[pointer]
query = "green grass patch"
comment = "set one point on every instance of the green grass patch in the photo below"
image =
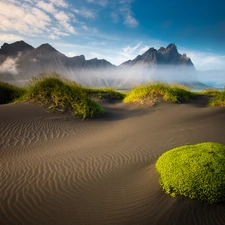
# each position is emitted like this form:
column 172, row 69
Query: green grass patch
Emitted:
column 9, row 93
column 57, row 92
column 105, row 93
column 160, row 91
column 210, row 92
column 218, row 100
column 218, row 97
column 195, row 171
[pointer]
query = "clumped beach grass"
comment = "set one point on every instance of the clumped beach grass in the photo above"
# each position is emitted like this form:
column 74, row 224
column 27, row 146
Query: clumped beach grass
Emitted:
column 8, row 92
column 195, row 171
column 103, row 93
column 218, row 100
column 57, row 92
column 218, row 97
column 211, row 92
column 160, row 91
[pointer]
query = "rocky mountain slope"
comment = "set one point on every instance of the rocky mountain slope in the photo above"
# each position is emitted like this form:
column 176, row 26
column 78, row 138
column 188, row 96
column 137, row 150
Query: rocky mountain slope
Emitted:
column 162, row 56
column 20, row 61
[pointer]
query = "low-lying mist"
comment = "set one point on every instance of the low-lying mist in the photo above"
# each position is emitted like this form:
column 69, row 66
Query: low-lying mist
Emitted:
column 119, row 77
column 128, row 77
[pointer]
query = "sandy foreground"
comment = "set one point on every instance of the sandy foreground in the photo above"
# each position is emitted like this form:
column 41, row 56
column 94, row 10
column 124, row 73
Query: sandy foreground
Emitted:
column 57, row 169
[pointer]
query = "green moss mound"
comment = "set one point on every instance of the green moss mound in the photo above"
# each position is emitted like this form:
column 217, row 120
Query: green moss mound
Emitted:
column 61, row 94
column 8, row 92
column 160, row 91
column 195, row 171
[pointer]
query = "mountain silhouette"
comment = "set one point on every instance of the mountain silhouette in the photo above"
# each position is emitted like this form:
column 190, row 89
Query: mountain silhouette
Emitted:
column 20, row 61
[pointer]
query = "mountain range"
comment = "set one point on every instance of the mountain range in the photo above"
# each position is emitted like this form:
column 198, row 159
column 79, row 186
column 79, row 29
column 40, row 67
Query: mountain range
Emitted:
column 20, row 61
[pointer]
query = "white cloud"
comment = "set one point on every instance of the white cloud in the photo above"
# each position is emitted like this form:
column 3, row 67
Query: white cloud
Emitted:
column 10, row 37
column 143, row 50
column 99, row 2
column 85, row 27
column 129, row 51
column 123, row 10
column 70, row 54
column 36, row 18
column 7, row 9
column 9, row 66
column 86, row 13
column 25, row 20
column 130, row 20
column 48, row 7
column 64, row 20
column 206, row 60
column 62, row 16
column 60, row 3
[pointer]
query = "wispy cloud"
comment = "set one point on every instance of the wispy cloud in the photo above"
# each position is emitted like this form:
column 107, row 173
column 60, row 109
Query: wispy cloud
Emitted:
column 60, row 3
column 48, row 7
column 123, row 11
column 99, row 2
column 86, row 13
column 143, row 49
column 9, row 66
column 36, row 18
column 130, row 20
column 130, row 51
column 10, row 37
column 206, row 60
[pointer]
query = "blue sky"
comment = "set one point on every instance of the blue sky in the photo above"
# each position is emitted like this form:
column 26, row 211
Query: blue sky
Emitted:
column 118, row 30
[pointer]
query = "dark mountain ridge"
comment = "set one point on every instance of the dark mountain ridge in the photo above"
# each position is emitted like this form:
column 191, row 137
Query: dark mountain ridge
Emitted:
column 12, row 50
column 20, row 61
column 162, row 56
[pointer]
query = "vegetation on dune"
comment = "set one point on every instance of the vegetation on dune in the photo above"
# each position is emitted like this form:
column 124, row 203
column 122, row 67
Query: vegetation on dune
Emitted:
column 218, row 100
column 59, row 93
column 218, row 97
column 8, row 92
column 158, row 91
column 195, row 171
column 211, row 92
column 103, row 93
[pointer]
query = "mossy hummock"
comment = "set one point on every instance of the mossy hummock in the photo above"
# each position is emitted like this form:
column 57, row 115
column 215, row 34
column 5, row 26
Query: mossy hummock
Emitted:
column 195, row 171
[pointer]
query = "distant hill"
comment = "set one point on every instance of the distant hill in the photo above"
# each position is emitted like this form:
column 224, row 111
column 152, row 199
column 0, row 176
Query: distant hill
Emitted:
column 20, row 61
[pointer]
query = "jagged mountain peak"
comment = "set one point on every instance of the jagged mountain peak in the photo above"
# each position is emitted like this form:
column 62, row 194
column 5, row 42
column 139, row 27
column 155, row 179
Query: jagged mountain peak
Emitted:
column 162, row 56
column 46, row 48
column 161, row 49
column 16, row 48
column 171, row 46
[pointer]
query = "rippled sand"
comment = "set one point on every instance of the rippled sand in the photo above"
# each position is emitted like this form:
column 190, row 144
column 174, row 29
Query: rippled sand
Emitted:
column 57, row 169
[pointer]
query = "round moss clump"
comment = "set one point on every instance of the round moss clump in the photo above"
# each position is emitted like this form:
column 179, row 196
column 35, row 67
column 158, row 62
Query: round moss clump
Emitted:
column 194, row 171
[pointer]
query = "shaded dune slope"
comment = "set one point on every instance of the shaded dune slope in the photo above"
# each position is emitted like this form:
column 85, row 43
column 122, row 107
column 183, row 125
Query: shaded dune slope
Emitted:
column 56, row 169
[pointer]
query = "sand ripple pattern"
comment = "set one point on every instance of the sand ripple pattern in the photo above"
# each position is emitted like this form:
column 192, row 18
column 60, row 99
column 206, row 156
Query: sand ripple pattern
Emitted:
column 59, row 170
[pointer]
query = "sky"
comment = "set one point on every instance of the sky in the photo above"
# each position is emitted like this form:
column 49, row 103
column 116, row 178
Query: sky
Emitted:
column 119, row 30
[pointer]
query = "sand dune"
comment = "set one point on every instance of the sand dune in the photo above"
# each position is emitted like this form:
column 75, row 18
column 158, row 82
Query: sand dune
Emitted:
column 57, row 169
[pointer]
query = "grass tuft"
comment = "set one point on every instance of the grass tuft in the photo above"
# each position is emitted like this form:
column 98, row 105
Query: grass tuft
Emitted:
column 210, row 92
column 195, row 171
column 218, row 100
column 58, row 93
column 103, row 93
column 159, row 91
column 9, row 93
